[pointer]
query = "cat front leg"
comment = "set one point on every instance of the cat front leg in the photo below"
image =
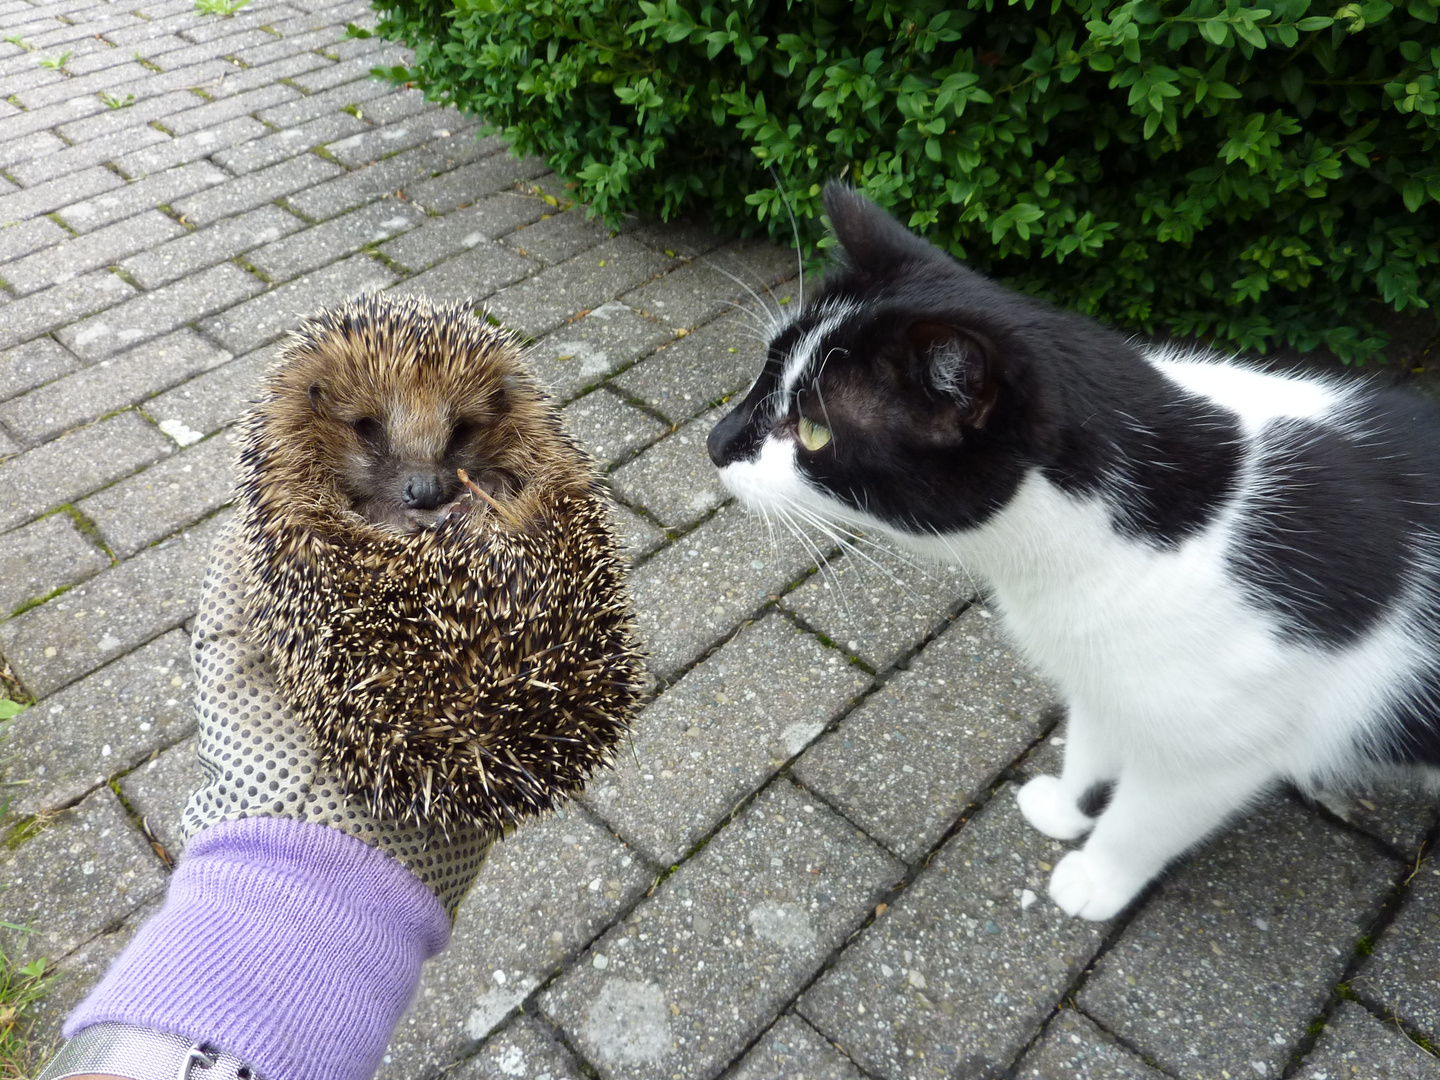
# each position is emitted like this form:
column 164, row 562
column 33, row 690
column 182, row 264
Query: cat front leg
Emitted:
column 1055, row 805
column 1150, row 820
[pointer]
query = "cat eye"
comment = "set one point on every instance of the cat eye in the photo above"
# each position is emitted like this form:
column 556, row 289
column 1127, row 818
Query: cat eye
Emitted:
column 813, row 436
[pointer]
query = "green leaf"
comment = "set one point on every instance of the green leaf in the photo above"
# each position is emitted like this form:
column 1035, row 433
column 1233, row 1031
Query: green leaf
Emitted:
column 10, row 709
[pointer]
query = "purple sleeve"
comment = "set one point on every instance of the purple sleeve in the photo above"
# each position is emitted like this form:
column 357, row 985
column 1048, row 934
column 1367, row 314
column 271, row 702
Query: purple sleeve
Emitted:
column 293, row 946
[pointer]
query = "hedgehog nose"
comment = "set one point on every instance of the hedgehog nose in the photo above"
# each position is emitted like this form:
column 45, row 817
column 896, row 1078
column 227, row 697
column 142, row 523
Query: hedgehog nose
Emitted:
column 422, row 491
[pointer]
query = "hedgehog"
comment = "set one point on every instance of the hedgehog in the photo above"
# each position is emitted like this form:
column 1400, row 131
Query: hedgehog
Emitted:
column 430, row 564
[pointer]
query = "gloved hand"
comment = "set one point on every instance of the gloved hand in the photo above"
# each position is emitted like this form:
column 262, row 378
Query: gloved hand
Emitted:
column 296, row 923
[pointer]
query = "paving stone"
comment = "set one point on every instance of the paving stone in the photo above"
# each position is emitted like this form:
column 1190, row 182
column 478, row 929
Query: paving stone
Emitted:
column 48, row 166
column 34, row 364
column 61, row 305
column 462, row 186
column 21, row 239
column 173, row 493
column 524, row 1049
column 256, row 189
column 75, row 465
column 100, row 248
column 202, row 248
column 581, row 353
column 720, row 733
column 957, row 977
column 259, row 321
column 440, row 238
column 683, row 379
column 400, row 104
column 107, row 616
column 746, row 922
column 211, row 401
column 209, row 29
column 674, row 480
column 876, row 604
column 470, row 276
column 117, row 873
column 109, row 385
column 638, row 537
column 277, row 147
column 281, row 70
column 8, row 445
column 104, row 724
column 1399, row 815
column 793, row 1049
column 151, row 107
column 379, row 141
column 688, row 237
column 334, row 239
column 29, row 147
column 159, row 789
column 55, row 117
column 41, row 557
column 698, row 589
column 213, row 113
column 1264, row 919
column 1073, row 1048
column 192, row 147
column 158, row 189
column 1402, row 977
column 557, row 237
column 744, row 270
column 583, row 283
column 296, row 112
column 160, row 311
column 543, row 895
column 608, row 428
column 378, row 181
column 77, row 973
column 1354, row 1045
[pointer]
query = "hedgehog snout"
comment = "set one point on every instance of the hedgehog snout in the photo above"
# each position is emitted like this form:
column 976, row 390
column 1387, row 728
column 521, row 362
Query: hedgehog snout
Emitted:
column 422, row 491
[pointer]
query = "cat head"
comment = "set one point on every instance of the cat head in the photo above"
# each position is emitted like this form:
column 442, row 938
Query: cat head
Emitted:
column 905, row 395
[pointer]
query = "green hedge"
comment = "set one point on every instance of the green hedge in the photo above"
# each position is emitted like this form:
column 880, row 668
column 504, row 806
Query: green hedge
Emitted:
column 1254, row 174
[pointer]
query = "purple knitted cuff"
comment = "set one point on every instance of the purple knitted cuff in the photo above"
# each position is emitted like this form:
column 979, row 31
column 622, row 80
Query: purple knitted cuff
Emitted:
column 289, row 944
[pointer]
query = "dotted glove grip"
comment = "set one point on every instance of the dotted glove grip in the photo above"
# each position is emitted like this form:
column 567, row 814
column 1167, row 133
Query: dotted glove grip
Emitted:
column 259, row 762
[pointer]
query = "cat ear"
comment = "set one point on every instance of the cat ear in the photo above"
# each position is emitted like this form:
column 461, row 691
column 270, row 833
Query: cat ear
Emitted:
column 873, row 240
column 957, row 365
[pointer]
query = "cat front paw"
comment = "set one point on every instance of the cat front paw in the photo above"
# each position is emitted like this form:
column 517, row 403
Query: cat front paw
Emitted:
column 1048, row 807
column 1082, row 886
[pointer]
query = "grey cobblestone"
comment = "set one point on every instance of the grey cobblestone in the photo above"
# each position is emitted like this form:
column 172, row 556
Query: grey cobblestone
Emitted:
column 63, row 470
column 52, row 117
column 1355, row 1044
column 893, row 767
column 960, row 973
column 259, row 321
column 382, row 140
column 583, row 283
column 472, row 275
column 192, row 147
column 719, row 733
column 1402, row 978
column 62, row 89
column 674, row 480
column 583, row 352
column 211, row 113
column 638, row 537
column 296, row 112
column 61, row 306
column 398, row 105
column 98, row 151
column 199, row 249
column 523, row 1049
column 440, row 238
column 90, row 252
column 608, row 428
column 878, row 605
column 334, row 239
column 256, row 189
column 696, row 293
column 104, row 724
column 688, row 238
column 211, row 401
column 33, row 364
column 1075, row 1049
column 44, row 198
column 148, row 110
column 173, row 493
column 117, row 873
column 709, row 364
column 159, row 311
column 792, row 1048
column 29, row 147
column 748, row 920
column 21, row 239
column 107, row 616
column 462, row 186
column 1265, row 918
column 155, row 190
column 386, row 178
column 159, row 789
column 109, row 385
column 557, row 237
column 42, row 557
column 282, row 145
column 544, row 893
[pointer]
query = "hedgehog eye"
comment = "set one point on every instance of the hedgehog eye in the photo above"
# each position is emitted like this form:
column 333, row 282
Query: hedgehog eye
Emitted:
column 464, row 431
column 317, row 397
column 813, row 436
column 370, row 431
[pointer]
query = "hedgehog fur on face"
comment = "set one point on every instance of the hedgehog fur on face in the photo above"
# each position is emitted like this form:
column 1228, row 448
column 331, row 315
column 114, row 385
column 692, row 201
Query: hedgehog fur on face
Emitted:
column 457, row 653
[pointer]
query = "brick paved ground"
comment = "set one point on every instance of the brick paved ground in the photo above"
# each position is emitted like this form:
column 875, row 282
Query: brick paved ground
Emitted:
column 812, row 862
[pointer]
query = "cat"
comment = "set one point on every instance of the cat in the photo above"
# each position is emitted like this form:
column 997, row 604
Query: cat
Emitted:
column 1231, row 576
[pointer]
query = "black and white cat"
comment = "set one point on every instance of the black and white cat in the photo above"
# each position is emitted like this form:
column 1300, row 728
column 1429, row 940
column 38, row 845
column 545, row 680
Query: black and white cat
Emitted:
column 1233, row 577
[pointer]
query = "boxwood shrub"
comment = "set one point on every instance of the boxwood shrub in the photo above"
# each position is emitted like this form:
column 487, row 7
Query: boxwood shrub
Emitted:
column 1258, row 175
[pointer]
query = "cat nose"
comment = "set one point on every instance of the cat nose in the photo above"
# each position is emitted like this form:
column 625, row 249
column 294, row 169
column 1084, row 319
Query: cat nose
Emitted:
column 724, row 442
column 422, row 491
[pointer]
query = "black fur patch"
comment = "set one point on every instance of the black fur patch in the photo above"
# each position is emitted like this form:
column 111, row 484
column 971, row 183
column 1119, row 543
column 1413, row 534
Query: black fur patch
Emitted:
column 1096, row 798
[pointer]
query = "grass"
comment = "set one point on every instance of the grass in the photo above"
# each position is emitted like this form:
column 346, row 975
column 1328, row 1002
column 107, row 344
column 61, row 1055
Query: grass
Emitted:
column 115, row 101
column 219, row 7
column 57, row 63
column 20, row 989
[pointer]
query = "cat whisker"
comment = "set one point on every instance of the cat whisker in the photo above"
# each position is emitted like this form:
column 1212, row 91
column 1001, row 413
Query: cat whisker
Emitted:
column 822, row 561
column 776, row 317
column 843, row 541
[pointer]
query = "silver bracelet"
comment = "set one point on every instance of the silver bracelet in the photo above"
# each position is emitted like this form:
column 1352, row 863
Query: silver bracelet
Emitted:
column 141, row 1053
